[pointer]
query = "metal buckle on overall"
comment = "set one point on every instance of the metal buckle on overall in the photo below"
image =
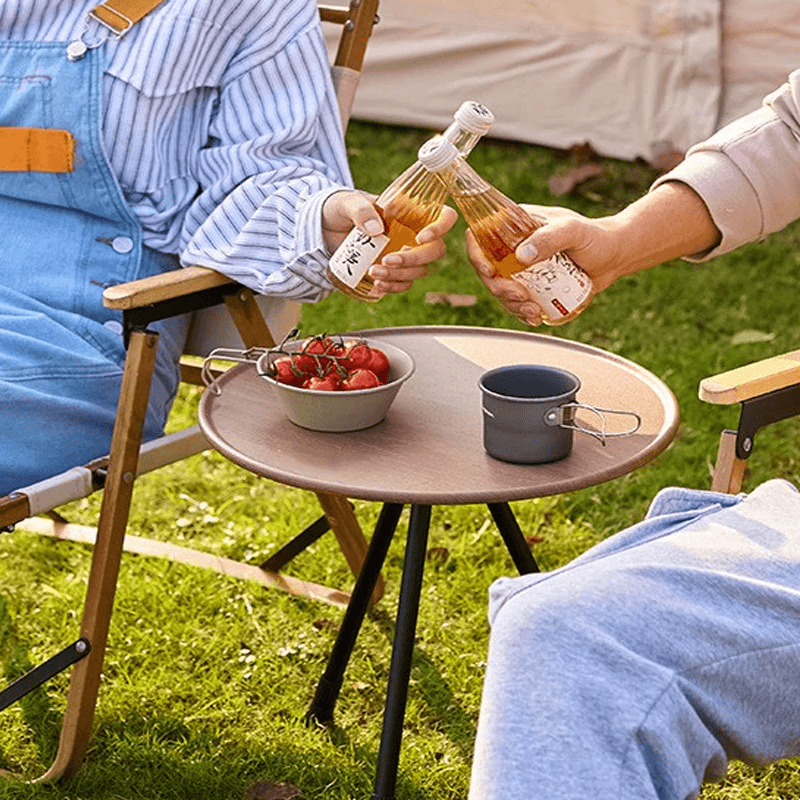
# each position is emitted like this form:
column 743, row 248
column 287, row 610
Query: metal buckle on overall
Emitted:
column 129, row 13
column 77, row 49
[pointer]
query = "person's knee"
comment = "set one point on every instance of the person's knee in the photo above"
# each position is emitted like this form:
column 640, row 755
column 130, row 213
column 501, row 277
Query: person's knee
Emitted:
column 575, row 617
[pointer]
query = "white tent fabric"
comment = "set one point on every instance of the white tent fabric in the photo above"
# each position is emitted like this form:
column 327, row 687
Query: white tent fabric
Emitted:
column 631, row 78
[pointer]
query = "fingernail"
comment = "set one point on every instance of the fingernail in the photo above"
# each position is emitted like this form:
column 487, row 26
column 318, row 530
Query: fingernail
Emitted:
column 392, row 260
column 527, row 253
column 373, row 227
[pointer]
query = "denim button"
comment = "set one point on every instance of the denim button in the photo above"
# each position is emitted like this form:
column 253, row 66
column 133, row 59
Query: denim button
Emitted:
column 113, row 326
column 122, row 244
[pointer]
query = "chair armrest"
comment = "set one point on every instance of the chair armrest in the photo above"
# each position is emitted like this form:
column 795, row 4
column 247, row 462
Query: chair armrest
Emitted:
column 752, row 380
column 167, row 286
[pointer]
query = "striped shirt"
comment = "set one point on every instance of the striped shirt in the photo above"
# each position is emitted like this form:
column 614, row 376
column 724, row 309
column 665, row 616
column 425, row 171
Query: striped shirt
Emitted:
column 221, row 126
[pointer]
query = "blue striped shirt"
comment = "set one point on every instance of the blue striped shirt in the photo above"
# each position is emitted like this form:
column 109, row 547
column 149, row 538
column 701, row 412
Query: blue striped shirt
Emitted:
column 221, row 125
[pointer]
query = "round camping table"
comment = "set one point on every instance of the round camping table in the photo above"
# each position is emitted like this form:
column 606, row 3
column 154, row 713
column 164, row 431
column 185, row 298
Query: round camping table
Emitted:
column 429, row 451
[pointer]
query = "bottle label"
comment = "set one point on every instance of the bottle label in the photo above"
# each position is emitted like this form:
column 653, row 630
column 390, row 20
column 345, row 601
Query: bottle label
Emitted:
column 355, row 255
column 559, row 284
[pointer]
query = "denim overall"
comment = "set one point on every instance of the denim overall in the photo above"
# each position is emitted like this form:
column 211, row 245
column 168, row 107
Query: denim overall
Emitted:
column 65, row 237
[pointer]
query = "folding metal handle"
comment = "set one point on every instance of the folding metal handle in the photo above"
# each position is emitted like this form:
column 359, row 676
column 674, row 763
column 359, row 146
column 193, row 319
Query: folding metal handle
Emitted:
column 251, row 355
column 564, row 416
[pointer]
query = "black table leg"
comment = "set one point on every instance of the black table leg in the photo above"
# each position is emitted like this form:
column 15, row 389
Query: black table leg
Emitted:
column 402, row 651
column 330, row 684
column 513, row 537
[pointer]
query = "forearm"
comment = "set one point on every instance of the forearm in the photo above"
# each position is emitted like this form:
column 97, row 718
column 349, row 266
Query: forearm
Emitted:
column 672, row 221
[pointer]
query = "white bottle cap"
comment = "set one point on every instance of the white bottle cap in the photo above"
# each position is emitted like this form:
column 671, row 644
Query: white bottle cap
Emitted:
column 437, row 153
column 474, row 117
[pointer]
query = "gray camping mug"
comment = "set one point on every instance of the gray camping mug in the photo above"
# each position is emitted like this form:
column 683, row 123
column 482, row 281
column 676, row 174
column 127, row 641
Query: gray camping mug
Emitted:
column 529, row 413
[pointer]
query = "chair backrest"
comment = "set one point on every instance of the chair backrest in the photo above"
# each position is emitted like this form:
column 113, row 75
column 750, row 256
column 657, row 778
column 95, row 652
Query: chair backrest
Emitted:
column 213, row 327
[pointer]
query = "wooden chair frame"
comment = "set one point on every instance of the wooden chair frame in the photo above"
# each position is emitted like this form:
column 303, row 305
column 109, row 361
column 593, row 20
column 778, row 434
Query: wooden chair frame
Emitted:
column 768, row 391
column 143, row 302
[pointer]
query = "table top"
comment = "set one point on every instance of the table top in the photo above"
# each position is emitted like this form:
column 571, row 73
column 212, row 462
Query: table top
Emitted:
column 429, row 449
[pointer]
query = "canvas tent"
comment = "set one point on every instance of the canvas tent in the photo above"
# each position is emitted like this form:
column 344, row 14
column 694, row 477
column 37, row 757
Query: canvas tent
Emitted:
column 629, row 77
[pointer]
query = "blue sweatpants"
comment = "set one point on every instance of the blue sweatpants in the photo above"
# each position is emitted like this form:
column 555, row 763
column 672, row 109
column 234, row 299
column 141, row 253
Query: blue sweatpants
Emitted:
column 640, row 669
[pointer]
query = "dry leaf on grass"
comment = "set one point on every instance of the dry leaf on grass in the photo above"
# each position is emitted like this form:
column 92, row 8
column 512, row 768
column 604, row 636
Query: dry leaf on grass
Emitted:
column 664, row 157
column 263, row 790
column 445, row 298
column 751, row 337
column 564, row 184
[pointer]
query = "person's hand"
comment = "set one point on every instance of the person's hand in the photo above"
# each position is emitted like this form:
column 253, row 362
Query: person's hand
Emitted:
column 344, row 209
column 397, row 271
column 588, row 242
column 515, row 298
column 670, row 221
column 593, row 244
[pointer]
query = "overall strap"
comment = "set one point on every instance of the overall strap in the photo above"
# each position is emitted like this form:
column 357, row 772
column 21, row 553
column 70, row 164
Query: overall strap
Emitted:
column 121, row 15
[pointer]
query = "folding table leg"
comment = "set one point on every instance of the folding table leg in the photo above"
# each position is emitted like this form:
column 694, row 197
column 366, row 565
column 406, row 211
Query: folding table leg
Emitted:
column 513, row 537
column 402, row 651
column 330, row 684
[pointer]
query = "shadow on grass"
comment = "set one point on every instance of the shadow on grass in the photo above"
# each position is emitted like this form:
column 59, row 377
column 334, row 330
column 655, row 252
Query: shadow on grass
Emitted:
column 444, row 711
column 41, row 719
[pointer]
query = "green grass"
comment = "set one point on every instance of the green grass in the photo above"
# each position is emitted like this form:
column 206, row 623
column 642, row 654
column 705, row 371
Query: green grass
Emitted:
column 206, row 679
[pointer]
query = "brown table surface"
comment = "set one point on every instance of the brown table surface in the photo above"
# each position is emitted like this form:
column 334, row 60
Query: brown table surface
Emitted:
column 429, row 449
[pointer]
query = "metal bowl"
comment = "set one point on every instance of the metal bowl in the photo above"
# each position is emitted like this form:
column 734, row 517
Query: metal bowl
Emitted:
column 351, row 410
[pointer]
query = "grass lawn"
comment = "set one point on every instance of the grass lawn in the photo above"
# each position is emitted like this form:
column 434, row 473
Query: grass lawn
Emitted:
column 206, row 679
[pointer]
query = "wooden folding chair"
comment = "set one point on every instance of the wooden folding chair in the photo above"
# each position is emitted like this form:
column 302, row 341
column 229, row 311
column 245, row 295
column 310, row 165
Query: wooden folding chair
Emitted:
column 768, row 391
column 220, row 308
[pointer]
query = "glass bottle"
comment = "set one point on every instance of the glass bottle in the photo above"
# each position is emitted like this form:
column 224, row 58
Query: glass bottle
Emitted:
column 561, row 287
column 412, row 201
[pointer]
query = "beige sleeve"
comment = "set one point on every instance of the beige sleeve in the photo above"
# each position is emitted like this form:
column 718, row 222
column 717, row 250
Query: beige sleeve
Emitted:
column 748, row 173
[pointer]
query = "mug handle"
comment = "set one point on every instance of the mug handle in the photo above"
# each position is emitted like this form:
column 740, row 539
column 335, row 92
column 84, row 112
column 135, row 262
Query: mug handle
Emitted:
column 556, row 416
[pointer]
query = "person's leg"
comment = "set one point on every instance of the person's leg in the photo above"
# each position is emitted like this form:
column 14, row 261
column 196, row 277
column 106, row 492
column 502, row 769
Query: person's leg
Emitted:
column 638, row 670
column 42, row 435
column 58, row 397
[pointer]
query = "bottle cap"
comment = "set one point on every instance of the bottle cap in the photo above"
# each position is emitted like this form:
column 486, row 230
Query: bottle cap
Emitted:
column 437, row 153
column 474, row 117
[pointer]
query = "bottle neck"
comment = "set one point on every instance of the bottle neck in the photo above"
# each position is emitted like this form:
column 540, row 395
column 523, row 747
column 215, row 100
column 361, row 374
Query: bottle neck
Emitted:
column 463, row 139
column 480, row 201
column 462, row 180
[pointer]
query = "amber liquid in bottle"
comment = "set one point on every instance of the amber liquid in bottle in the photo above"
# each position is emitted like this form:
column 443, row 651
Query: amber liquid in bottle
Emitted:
column 499, row 225
column 404, row 215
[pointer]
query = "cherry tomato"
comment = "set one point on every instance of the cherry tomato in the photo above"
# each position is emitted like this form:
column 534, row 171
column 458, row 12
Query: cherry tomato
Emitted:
column 324, row 351
column 379, row 364
column 361, row 379
column 305, row 364
column 358, row 354
column 330, row 382
column 283, row 370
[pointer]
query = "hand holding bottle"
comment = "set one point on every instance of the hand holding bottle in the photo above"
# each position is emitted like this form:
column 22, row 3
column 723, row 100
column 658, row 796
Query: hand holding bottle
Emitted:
column 396, row 271
column 668, row 222
column 499, row 225
column 519, row 301
column 412, row 205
